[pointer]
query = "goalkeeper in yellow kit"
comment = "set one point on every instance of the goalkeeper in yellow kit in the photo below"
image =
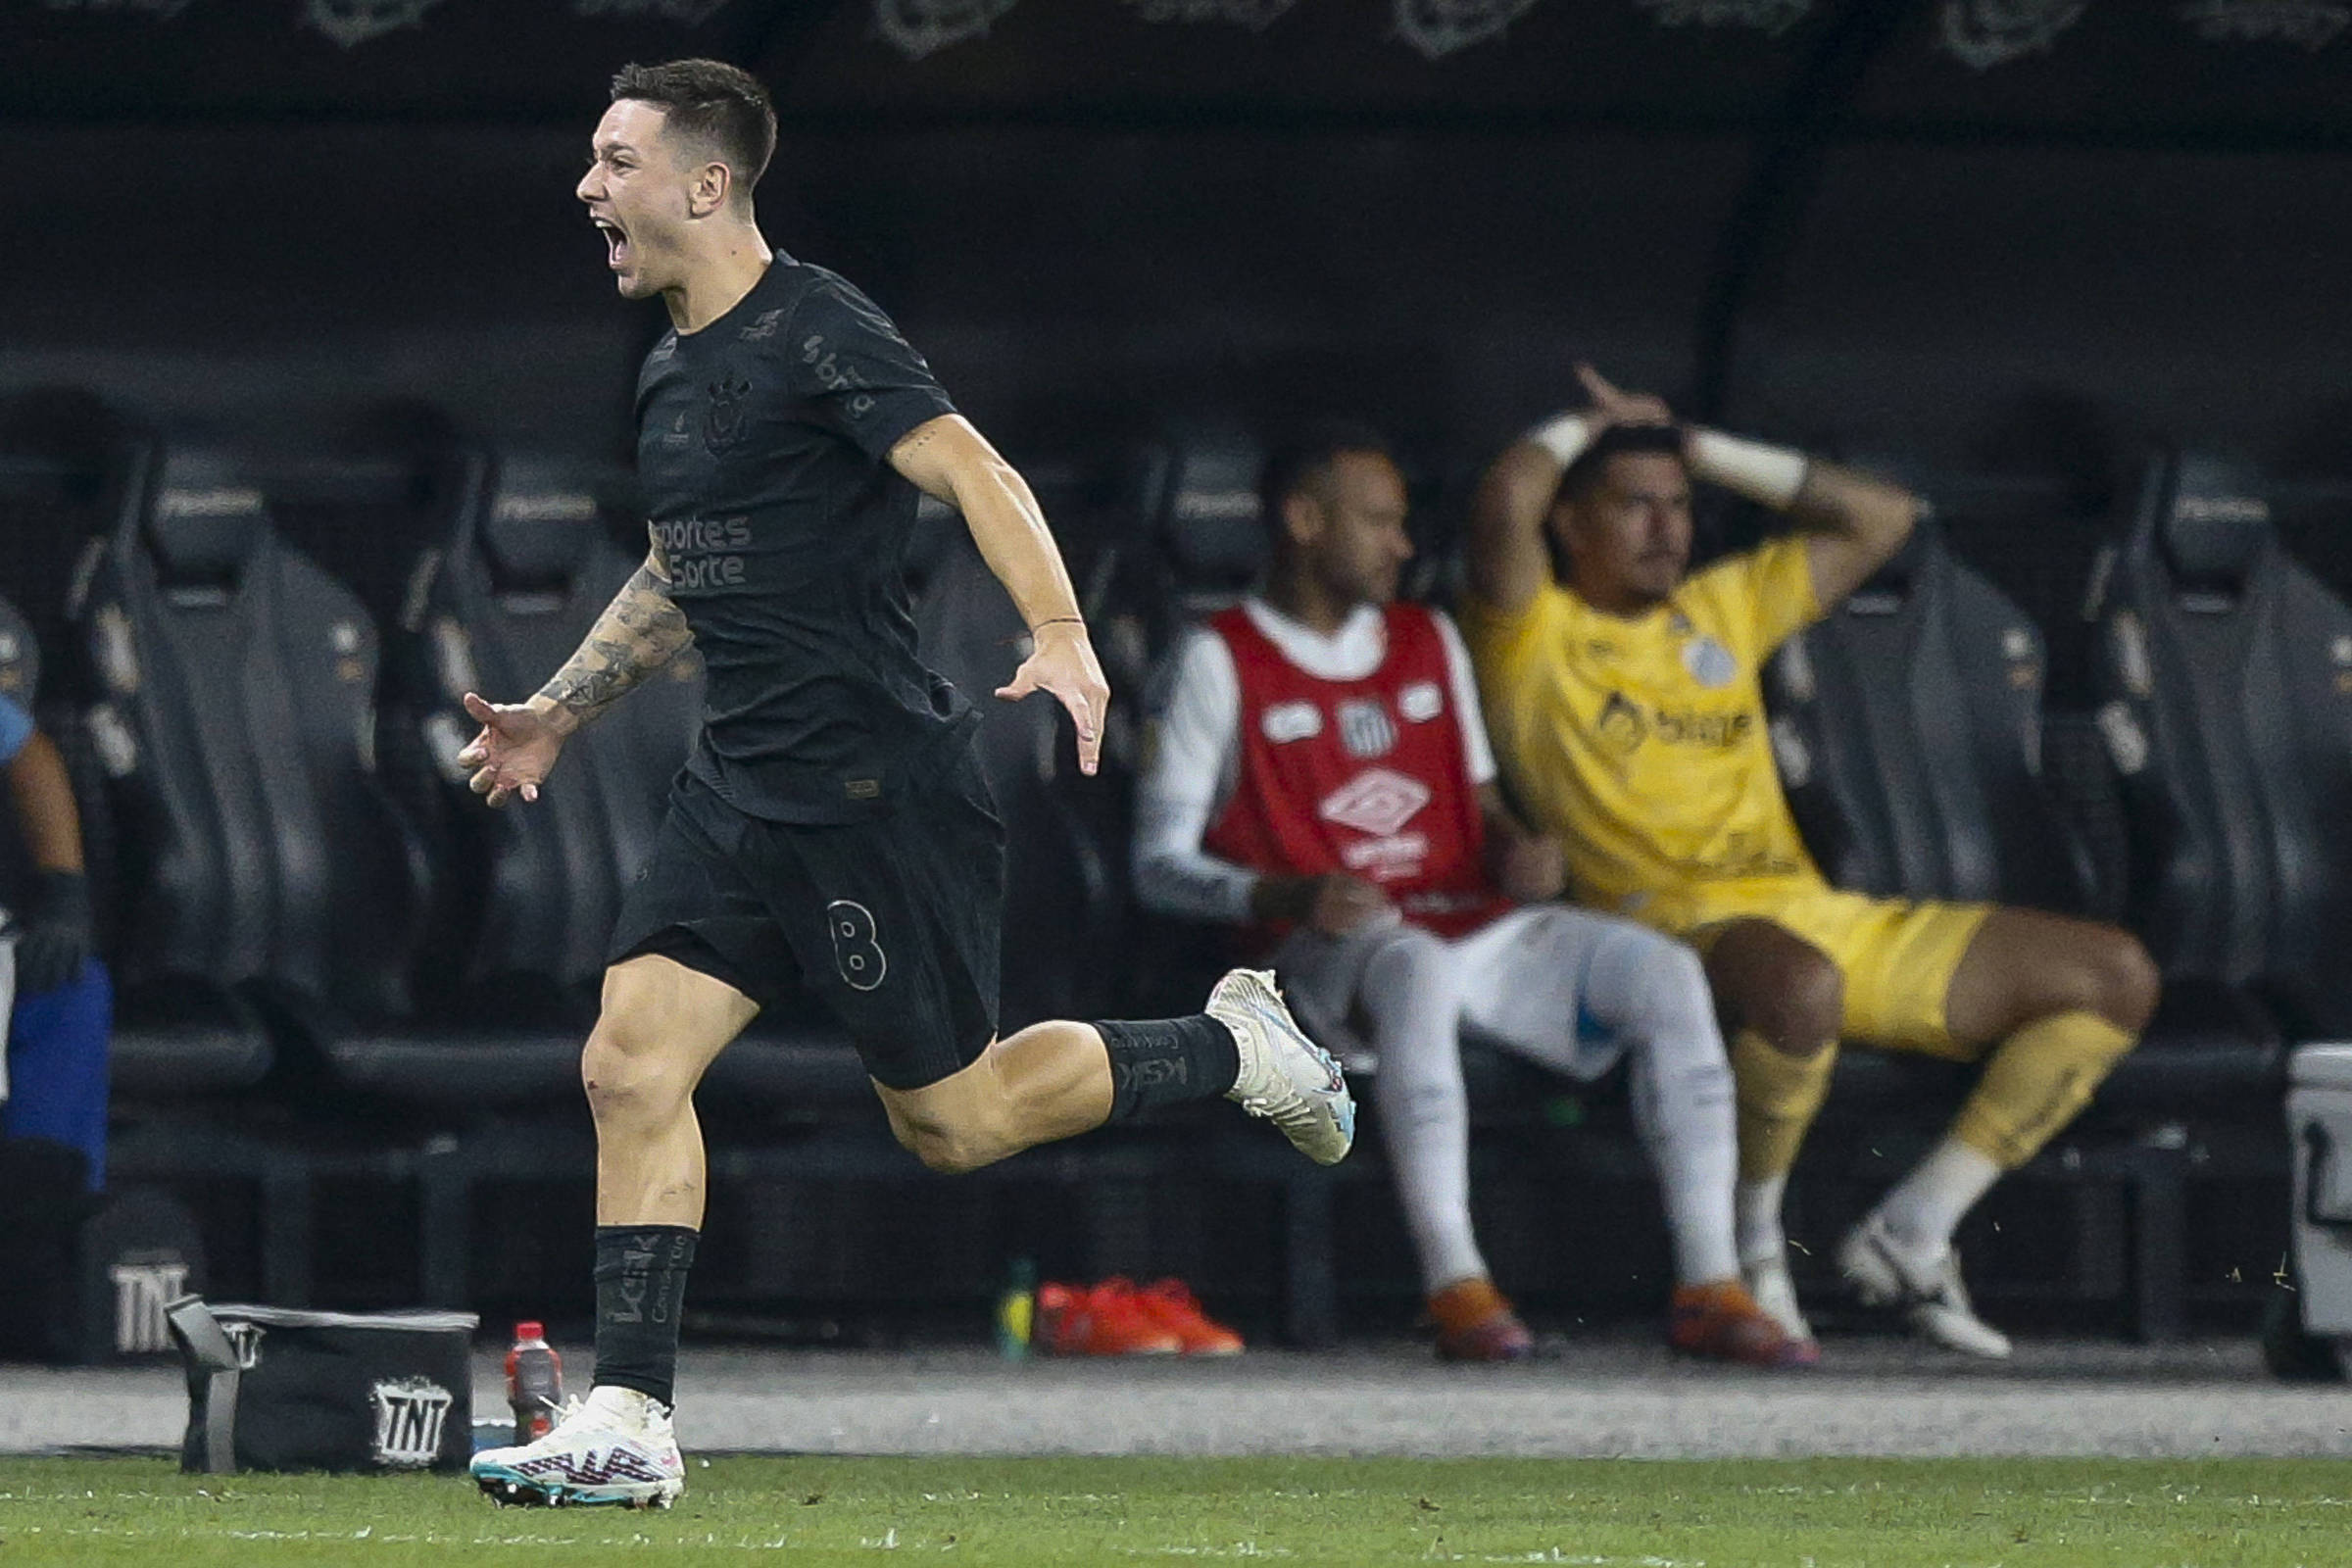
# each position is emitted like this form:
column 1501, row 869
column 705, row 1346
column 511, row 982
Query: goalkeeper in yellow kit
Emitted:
column 1623, row 696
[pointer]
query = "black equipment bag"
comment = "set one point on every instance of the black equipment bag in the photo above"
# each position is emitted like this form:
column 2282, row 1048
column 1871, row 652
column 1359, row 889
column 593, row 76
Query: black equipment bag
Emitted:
column 274, row 1388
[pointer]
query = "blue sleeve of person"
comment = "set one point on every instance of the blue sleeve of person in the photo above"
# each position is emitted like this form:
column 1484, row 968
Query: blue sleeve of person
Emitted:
column 15, row 729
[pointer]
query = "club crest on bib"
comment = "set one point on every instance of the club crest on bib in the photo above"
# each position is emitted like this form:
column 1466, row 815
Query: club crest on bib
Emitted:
column 1710, row 662
column 723, row 414
column 1366, row 729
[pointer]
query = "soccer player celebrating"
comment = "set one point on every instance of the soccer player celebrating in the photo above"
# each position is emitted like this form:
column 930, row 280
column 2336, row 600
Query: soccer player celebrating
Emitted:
column 1320, row 778
column 1625, row 699
column 831, row 826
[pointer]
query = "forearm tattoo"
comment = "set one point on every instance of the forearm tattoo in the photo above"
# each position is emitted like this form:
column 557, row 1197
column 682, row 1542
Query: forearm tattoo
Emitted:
column 639, row 632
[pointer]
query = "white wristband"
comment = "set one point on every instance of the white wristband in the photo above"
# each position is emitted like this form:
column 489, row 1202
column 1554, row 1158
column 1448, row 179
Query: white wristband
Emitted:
column 1759, row 471
column 1564, row 437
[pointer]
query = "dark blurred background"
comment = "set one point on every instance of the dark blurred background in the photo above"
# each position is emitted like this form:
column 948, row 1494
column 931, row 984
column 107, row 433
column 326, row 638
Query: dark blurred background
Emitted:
column 1852, row 221
column 2025, row 242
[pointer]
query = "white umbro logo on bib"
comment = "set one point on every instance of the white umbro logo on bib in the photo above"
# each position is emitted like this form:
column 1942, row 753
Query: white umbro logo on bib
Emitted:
column 1377, row 801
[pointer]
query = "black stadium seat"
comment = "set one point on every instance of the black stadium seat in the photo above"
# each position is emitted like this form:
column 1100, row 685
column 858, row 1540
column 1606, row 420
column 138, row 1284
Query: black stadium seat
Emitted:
column 1058, row 901
column 525, row 906
column 262, row 863
column 1199, row 500
column 2225, row 680
column 1193, row 545
column 1908, row 729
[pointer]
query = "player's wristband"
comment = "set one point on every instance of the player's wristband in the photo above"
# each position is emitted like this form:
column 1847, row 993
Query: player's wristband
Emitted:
column 1759, row 471
column 1564, row 437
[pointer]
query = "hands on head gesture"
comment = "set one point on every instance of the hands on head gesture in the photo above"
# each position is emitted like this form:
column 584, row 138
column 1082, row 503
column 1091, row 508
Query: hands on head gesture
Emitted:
column 1613, row 406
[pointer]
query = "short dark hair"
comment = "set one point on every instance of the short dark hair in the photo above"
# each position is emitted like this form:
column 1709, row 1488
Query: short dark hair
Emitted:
column 1305, row 456
column 1584, row 475
column 717, row 104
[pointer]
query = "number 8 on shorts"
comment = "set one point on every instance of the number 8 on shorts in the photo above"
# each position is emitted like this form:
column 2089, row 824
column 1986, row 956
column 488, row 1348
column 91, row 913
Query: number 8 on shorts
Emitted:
column 856, row 956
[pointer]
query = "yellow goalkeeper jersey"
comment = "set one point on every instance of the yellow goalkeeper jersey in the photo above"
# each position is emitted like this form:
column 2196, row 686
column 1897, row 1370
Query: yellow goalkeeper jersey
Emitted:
column 1641, row 743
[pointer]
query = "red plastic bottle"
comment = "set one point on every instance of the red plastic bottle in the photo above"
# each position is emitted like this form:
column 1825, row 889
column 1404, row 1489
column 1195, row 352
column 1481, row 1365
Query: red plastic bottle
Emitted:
column 534, row 1382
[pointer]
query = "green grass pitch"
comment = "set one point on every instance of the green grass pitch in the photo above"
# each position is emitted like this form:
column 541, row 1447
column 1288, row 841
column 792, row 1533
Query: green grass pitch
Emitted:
column 1037, row 1513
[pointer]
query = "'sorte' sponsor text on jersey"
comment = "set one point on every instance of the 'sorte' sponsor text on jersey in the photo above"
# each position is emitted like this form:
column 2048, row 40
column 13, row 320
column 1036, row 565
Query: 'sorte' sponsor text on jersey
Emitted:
column 762, row 449
column 1641, row 742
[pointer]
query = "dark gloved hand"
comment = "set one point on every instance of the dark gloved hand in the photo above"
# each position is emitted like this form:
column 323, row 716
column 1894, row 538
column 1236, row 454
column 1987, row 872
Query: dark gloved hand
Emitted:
column 56, row 938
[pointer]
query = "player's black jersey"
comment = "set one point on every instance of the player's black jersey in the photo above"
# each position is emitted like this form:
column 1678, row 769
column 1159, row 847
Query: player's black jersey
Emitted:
column 761, row 443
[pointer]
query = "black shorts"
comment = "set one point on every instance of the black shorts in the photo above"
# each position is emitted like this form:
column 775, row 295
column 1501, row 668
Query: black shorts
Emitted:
column 895, row 922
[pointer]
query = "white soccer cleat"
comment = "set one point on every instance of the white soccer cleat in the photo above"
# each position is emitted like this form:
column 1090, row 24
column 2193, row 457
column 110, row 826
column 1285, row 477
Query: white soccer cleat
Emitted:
column 1926, row 1291
column 1286, row 1078
column 616, row 1447
column 1775, row 1291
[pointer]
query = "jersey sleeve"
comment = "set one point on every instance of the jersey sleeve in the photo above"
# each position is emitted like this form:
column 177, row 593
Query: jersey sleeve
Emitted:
column 1758, row 600
column 1504, row 646
column 15, row 729
column 1478, row 755
column 1190, row 759
column 848, row 361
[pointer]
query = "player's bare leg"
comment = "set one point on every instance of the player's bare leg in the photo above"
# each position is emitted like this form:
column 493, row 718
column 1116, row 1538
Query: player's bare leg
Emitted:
column 1056, row 1080
column 2059, row 1002
column 1050, row 1081
column 662, row 1026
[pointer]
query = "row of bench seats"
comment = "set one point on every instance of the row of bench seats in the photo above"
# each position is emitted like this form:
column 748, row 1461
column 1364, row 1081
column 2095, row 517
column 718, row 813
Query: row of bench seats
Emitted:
column 294, row 880
column 255, row 671
column 297, row 860
column 2196, row 792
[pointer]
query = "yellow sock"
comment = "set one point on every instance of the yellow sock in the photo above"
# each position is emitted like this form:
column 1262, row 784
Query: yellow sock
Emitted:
column 2034, row 1082
column 1779, row 1095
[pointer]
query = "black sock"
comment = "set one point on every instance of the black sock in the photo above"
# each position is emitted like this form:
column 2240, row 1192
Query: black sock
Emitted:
column 640, row 1290
column 1165, row 1062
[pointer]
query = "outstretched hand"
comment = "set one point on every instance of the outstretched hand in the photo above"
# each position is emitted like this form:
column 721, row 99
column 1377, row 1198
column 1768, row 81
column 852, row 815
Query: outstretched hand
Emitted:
column 1064, row 663
column 1613, row 406
column 515, row 752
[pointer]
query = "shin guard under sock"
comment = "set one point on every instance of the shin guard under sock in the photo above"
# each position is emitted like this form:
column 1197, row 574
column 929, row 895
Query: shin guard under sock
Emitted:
column 2034, row 1082
column 640, row 1294
column 1779, row 1095
column 1165, row 1062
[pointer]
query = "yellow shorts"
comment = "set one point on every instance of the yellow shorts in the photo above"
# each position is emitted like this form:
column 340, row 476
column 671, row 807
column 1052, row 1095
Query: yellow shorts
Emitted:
column 1897, row 956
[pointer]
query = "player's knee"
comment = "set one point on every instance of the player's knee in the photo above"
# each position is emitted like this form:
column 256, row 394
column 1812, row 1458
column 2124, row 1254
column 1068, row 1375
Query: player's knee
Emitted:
column 2099, row 970
column 1410, row 953
column 2122, row 980
column 959, row 1143
column 1674, row 987
column 951, row 1151
column 629, row 1078
column 1802, row 1011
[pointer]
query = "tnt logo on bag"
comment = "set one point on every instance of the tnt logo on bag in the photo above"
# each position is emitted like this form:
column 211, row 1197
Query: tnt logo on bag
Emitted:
column 409, row 1417
column 141, row 1291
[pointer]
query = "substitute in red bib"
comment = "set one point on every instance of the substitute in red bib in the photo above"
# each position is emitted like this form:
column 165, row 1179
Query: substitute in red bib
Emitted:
column 1319, row 779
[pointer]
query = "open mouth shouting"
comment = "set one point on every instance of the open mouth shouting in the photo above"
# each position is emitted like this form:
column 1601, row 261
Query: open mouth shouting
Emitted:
column 616, row 243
